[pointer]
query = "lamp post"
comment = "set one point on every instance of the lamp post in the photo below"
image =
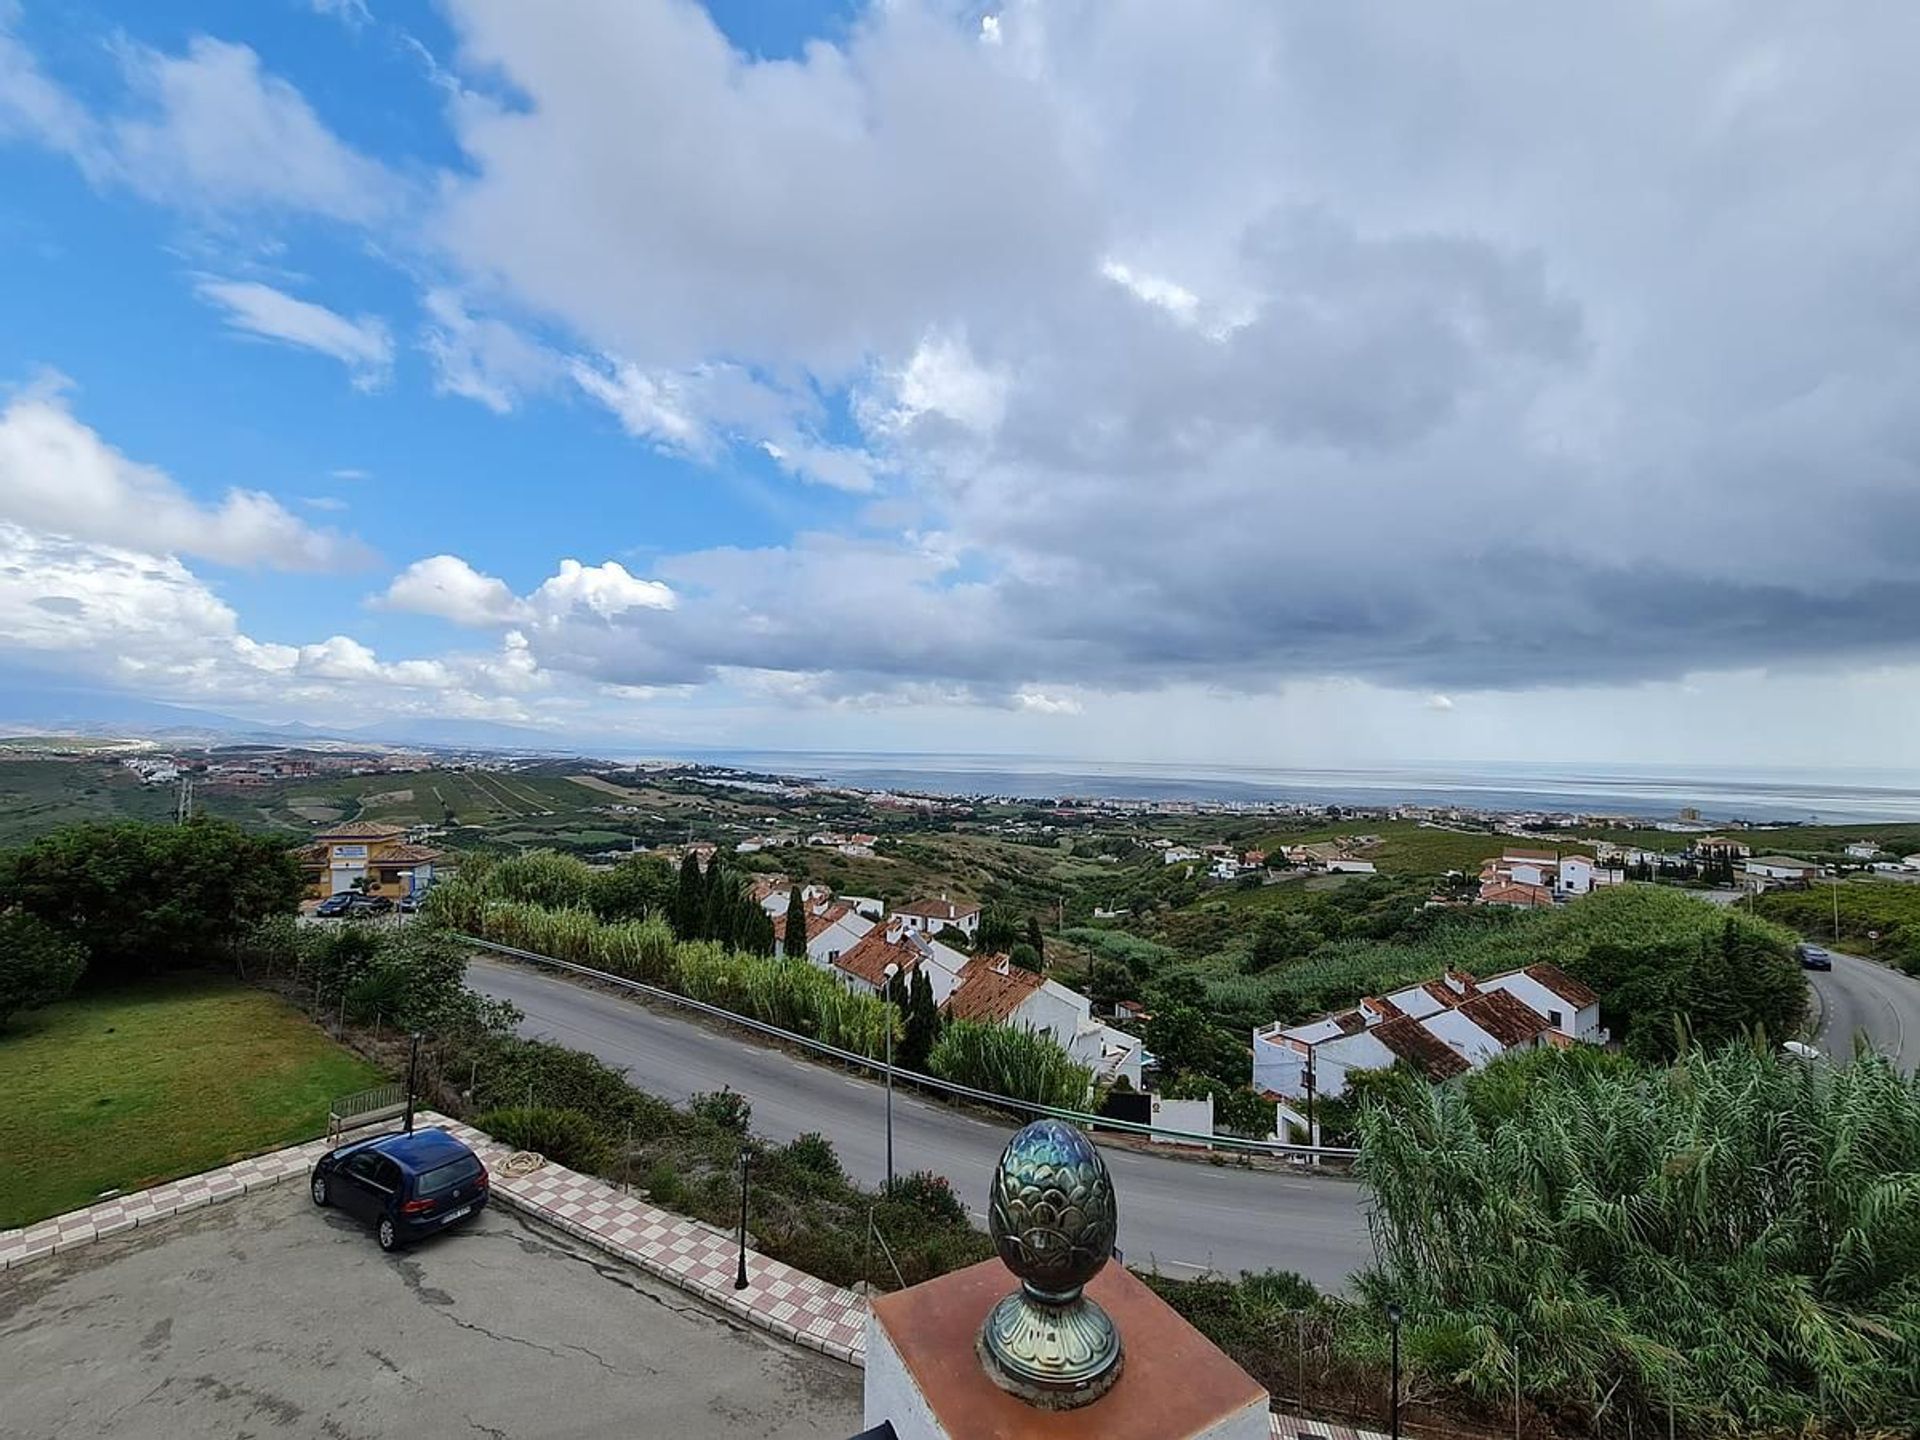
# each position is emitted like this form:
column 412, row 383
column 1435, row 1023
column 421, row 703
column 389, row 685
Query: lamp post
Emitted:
column 888, row 976
column 740, row 1279
column 413, row 1066
column 1393, row 1324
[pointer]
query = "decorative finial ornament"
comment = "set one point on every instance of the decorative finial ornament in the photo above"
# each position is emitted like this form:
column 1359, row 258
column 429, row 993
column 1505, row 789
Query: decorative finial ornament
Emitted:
column 1051, row 1215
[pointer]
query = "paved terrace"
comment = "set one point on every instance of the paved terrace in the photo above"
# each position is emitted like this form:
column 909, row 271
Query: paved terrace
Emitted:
column 684, row 1253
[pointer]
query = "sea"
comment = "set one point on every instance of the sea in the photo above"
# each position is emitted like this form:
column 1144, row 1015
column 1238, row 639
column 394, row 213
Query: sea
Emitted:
column 1653, row 793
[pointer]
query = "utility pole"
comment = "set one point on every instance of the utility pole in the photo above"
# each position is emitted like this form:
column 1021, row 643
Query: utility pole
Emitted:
column 1313, row 1130
column 1836, row 909
column 413, row 1069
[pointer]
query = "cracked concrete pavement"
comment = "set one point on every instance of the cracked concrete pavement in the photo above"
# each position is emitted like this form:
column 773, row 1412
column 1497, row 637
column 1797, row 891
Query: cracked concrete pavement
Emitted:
column 264, row 1316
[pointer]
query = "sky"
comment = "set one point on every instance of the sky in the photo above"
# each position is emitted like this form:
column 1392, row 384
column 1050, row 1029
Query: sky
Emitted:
column 1282, row 384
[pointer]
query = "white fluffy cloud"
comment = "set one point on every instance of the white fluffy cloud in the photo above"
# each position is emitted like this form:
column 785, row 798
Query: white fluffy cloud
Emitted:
column 363, row 345
column 59, row 476
column 448, row 587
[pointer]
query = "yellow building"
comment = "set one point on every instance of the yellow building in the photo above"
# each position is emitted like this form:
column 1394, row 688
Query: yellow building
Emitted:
column 372, row 851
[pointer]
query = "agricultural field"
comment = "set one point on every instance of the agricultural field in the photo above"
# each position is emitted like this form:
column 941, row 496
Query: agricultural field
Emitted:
column 38, row 795
column 1408, row 848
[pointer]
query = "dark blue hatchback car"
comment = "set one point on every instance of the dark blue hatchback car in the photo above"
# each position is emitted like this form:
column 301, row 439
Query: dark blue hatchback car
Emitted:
column 408, row 1185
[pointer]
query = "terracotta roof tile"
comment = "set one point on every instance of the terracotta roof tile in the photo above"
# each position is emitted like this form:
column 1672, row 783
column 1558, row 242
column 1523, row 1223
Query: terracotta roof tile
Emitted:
column 1421, row 1048
column 361, row 830
column 1507, row 1019
column 991, row 988
column 1562, row 984
column 871, row 954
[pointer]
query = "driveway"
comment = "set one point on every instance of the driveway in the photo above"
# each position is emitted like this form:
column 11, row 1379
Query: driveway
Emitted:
column 264, row 1316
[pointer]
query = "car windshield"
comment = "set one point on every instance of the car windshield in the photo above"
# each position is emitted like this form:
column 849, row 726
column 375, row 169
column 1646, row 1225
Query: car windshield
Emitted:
column 445, row 1177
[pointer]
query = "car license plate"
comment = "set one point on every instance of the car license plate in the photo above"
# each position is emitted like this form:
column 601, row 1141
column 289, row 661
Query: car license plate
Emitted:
column 453, row 1215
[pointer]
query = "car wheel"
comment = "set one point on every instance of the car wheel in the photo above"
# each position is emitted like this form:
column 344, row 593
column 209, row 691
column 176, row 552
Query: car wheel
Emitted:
column 320, row 1190
column 388, row 1234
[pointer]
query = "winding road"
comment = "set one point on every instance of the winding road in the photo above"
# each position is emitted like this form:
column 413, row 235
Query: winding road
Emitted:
column 1185, row 1217
column 1859, row 996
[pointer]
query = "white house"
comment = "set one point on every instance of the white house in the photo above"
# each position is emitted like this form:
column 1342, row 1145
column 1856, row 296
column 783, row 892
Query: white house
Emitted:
column 832, row 929
column 863, row 966
column 1347, row 865
column 994, row 990
column 1763, row 870
column 1178, row 855
column 1863, row 849
column 1571, row 1009
column 930, row 917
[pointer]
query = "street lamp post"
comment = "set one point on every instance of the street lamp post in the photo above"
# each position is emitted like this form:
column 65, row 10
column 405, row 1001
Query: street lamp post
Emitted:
column 888, row 974
column 413, row 1066
column 1393, row 1324
column 740, row 1279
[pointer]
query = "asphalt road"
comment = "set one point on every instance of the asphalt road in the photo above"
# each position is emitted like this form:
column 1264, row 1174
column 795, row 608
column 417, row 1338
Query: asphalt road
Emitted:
column 1858, row 996
column 1178, row 1215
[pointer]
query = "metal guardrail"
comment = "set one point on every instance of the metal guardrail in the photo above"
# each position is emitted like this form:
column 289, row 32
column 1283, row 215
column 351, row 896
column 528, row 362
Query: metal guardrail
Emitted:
column 933, row 1082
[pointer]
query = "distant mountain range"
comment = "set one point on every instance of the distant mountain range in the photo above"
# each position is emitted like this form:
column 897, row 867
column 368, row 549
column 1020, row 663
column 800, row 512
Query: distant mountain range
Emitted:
column 29, row 706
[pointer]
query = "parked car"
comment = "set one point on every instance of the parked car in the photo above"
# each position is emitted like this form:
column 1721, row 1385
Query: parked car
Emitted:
column 1812, row 957
column 370, row 905
column 336, row 905
column 408, row 1185
column 410, row 904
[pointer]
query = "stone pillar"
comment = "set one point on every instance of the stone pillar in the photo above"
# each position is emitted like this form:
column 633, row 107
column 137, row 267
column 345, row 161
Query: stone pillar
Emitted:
column 1078, row 1350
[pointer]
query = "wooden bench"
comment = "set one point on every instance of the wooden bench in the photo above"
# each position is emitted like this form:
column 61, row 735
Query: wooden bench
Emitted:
column 367, row 1107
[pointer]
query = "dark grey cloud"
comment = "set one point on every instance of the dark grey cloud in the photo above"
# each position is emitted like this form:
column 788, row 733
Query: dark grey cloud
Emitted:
column 1467, row 347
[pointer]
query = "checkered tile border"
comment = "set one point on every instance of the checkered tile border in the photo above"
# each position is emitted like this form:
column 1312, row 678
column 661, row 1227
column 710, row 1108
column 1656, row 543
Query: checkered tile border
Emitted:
column 684, row 1253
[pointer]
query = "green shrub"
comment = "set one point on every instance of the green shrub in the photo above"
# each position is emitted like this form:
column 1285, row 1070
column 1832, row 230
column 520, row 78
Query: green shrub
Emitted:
column 38, row 965
column 726, row 1108
column 541, row 877
column 929, row 1193
column 1003, row 1060
column 566, row 1137
column 814, row 1154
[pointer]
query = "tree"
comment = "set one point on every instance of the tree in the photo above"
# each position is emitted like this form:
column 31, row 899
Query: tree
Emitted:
column 1109, row 982
column 638, row 886
column 1037, row 940
column 954, row 938
column 795, row 943
column 1026, row 957
column 689, row 900
column 37, row 965
column 923, row 1023
column 999, row 931
column 140, row 899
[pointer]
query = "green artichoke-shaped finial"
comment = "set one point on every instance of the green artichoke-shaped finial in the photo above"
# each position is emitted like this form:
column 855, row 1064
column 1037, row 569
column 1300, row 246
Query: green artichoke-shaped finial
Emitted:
column 1051, row 1214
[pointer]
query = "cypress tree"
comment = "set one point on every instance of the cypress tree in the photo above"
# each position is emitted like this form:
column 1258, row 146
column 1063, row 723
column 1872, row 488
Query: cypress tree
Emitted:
column 689, row 899
column 795, row 943
column 1036, row 940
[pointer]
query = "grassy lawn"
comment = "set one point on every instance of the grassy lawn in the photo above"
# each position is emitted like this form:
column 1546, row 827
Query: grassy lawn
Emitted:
column 125, row 1090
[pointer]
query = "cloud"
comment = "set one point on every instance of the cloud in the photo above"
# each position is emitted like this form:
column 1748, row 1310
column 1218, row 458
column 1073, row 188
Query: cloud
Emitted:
column 147, row 622
column 363, row 345
column 481, row 358
column 1440, row 702
column 213, row 128
column 208, row 129
column 59, row 476
column 349, row 473
column 323, row 502
column 354, row 14
column 1209, row 372
column 448, row 587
